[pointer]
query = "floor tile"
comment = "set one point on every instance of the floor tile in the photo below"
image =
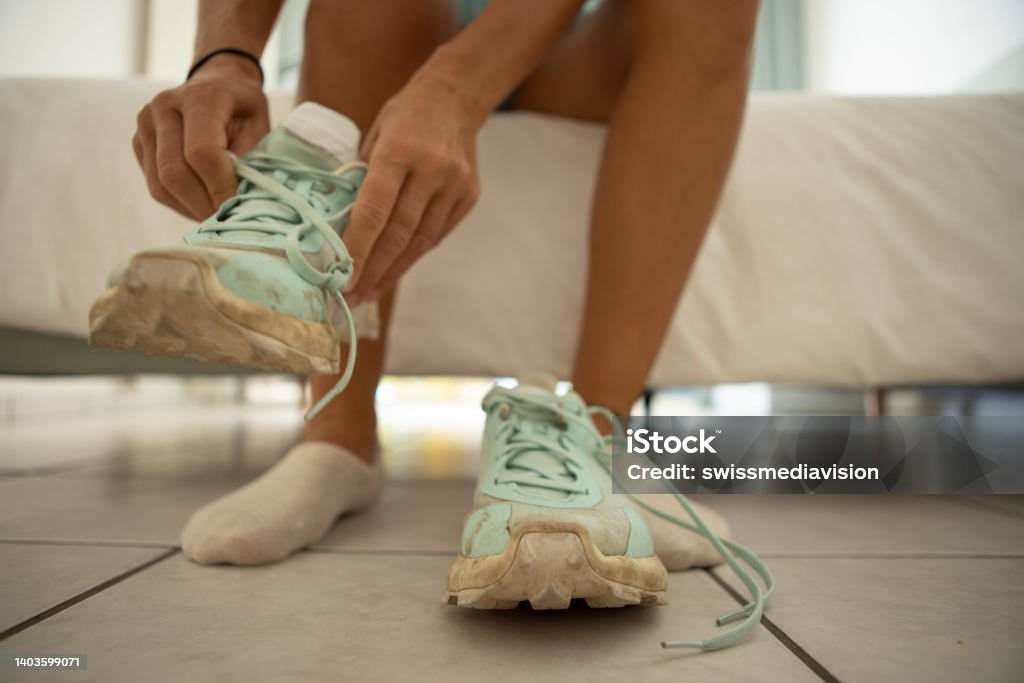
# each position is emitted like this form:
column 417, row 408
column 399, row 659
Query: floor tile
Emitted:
column 413, row 516
column 804, row 524
column 105, row 509
column 904, row 619
column 1013, row 504
column 178, row 435
column 34, row 578
column 327, row 616
column 241, row 456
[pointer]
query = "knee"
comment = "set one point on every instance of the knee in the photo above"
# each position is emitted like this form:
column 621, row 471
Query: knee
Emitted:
column 706, row 39
column 371, row 19
column 342, row 18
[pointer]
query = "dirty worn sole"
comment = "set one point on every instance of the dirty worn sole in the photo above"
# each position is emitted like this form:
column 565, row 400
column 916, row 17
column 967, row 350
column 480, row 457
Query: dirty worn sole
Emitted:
column 550, row 567
column 173, row 305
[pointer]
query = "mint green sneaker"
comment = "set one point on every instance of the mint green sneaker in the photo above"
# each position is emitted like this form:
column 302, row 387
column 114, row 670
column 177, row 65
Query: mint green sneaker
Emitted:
column 546, row 528
column 253, row 284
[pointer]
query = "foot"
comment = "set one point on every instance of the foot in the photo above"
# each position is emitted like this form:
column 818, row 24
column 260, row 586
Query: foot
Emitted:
column 545, row 527
column 290, row 507
column 252, row 284
column 680, row 548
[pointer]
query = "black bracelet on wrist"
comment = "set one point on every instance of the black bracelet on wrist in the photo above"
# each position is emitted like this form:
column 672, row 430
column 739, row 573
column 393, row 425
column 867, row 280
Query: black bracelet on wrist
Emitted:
column 228, row 51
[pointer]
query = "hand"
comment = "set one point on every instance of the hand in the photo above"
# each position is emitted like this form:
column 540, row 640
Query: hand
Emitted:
column 184, row 135
column 421, row 181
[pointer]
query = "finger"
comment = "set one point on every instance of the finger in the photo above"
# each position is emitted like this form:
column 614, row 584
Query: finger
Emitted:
column 137, row 149
column 206, row 152
column 371, row 212
column 433, row 227
column 249, row 132
column 402, row 227
column 461, row 210
column 366, row 148
column 174, row 173
column 144, row 144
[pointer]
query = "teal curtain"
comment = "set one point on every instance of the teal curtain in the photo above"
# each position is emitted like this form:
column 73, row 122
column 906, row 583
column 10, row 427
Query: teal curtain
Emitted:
column 778, row 49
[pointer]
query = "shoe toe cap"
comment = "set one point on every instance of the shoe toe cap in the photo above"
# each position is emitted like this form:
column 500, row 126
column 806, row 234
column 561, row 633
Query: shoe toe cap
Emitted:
column 271, row 282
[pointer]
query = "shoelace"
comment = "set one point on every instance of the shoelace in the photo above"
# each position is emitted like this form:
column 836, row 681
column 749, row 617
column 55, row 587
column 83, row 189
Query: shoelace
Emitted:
column 518, row 470
column 266, row 204
column 546, row 407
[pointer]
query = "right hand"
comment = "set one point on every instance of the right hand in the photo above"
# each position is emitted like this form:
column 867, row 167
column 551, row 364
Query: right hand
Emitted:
column 183, row 136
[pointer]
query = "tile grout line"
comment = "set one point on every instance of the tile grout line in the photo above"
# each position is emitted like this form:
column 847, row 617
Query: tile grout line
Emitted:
column 370, row 551
column 74, row 600
column 87, row 544
column 171, row 546
column 895, row 555
column 62, row 467
column 803, row 655
column 988, row 507
column 780, row 555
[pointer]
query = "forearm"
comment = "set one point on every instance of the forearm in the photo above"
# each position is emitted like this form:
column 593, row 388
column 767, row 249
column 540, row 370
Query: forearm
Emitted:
column 498, row 49
column 241, row 24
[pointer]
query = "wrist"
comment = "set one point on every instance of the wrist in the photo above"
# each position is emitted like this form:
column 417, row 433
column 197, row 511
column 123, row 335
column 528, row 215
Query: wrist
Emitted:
column 227, row 65
column 448, row 69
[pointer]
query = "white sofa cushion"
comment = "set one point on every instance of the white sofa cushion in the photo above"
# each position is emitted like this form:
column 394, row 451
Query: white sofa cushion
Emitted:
column 859, row 242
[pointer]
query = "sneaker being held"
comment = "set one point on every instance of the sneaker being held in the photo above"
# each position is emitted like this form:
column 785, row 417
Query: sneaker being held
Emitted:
column 254, row 284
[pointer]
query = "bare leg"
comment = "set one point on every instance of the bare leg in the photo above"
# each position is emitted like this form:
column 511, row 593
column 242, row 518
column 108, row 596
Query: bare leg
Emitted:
column 357, row 55
column 670, row 78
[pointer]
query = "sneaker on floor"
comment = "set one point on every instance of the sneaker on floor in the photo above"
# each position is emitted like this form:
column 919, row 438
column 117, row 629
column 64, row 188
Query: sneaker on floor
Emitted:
column 546, row 528
column 252, row 284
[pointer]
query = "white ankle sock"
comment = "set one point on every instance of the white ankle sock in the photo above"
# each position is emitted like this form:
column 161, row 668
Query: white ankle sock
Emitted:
column 681, row 548
column 292, row 505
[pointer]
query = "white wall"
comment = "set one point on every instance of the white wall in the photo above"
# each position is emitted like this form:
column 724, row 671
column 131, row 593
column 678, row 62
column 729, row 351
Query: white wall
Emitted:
column 170, row 30
column 90, row 38
column 171, row 34
column 103, row 39
column 908, row 46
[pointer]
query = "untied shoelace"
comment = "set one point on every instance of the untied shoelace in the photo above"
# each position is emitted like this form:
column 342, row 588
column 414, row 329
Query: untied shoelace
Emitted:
column 563, row 452
column 266, row 204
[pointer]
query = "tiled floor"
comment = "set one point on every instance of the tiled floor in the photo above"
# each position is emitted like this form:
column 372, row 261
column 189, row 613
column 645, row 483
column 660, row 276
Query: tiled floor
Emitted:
column 869, row 588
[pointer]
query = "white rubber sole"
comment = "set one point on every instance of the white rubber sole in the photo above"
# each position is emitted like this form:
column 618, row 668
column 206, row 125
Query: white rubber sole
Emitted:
column 173, row 305
column 548, row 569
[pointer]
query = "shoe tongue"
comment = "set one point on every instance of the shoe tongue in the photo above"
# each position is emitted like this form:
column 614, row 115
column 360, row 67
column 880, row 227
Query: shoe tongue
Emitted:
column 538, row 382
column 311, row 135
column 315, row 136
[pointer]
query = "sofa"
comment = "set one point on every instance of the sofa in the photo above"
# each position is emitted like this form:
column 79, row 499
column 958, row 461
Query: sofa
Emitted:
column 860, row 242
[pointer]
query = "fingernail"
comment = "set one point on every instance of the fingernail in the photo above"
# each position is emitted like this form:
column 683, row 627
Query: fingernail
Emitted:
column 353, row 300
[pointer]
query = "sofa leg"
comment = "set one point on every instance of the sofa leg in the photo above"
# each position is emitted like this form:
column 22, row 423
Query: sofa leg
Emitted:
column 648, row 399
column 875, row 401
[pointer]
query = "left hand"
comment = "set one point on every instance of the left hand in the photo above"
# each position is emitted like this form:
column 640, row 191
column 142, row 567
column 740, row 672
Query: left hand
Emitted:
column 421, row 181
